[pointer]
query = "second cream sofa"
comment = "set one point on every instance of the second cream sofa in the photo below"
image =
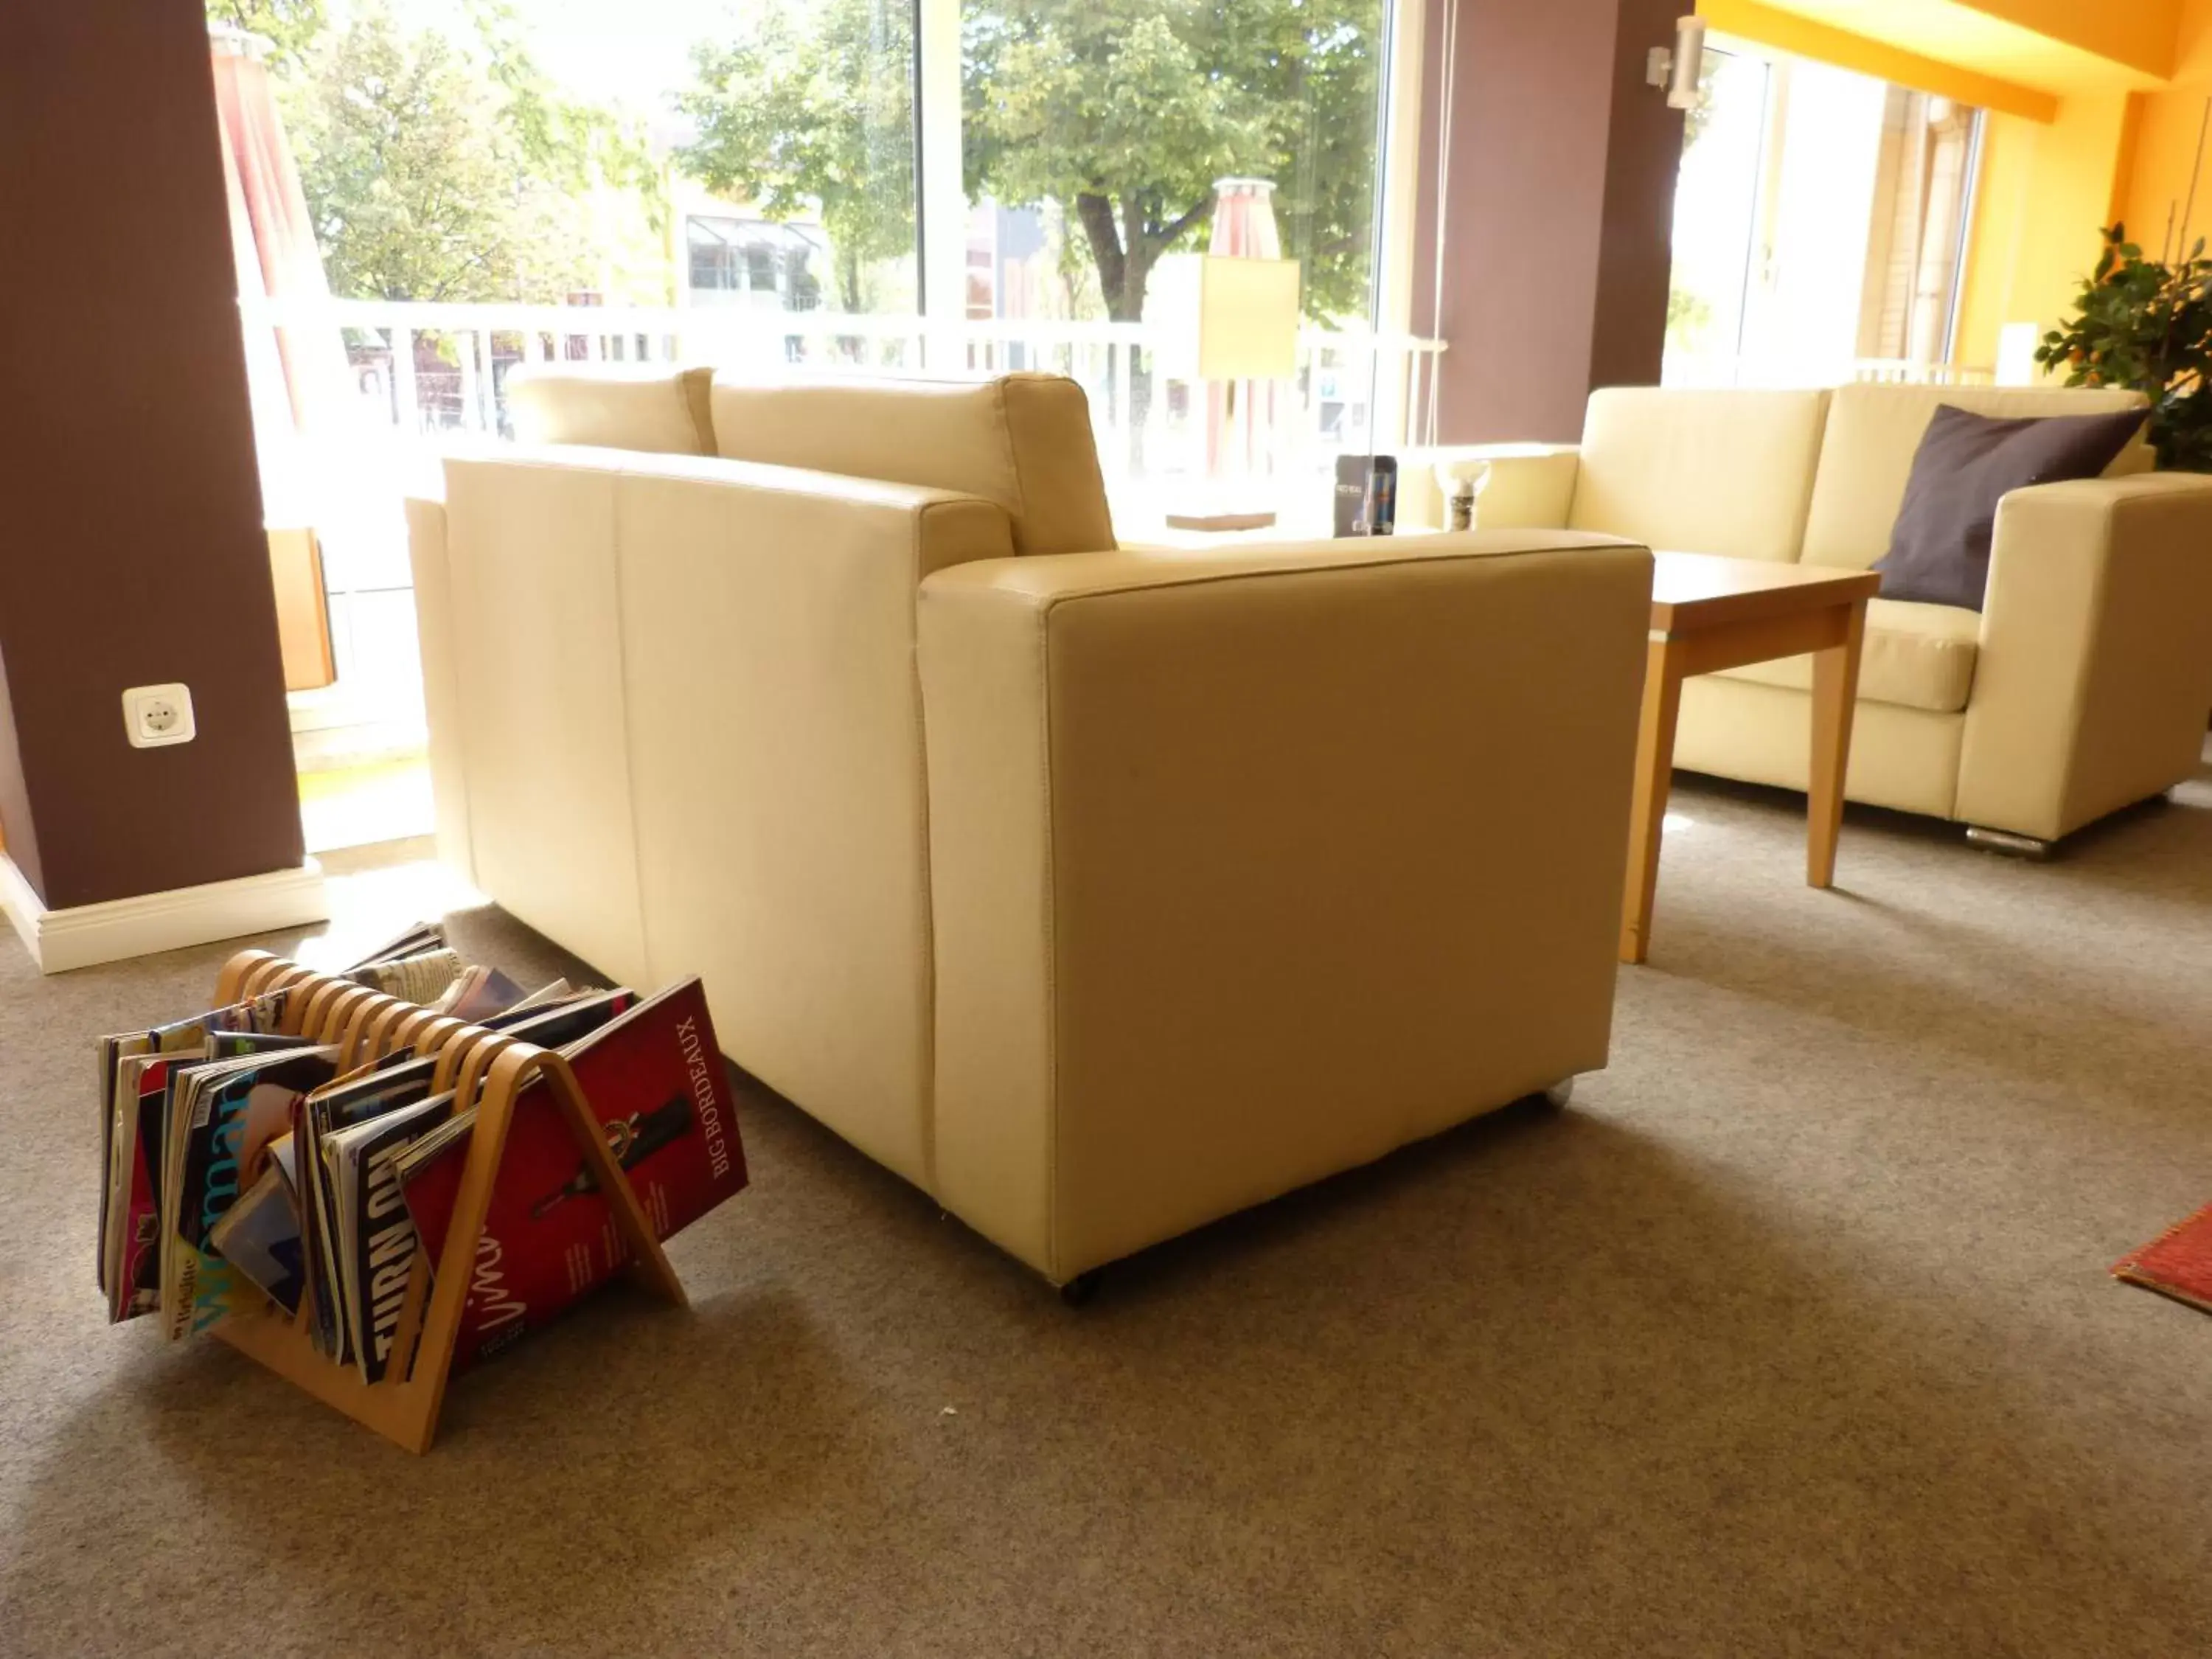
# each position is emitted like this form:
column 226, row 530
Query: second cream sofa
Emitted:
column 2081, row 685
column 1098, row 893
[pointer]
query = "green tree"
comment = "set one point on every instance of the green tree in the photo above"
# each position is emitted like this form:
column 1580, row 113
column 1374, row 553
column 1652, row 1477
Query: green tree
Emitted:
column 400, row 155
column 1122, row 112
column 562, row 140
column 1125, row 111
column 807, row 109
column 290, row 26
column 444, row 168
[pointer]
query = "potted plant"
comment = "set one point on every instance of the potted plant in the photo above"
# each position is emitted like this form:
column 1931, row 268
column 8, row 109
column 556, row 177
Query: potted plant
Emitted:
column 2146, row 325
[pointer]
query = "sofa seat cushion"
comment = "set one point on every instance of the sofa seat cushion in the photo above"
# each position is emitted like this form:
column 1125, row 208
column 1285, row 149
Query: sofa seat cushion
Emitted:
column 1916, row 656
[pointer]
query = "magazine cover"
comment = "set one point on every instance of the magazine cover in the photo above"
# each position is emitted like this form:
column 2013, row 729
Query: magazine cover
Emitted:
column 327, row 1242
column 144, row 1082
column 322, row 1113
column 656, row 1080
column 222, row 1119
column 259, row 1235
column 382, row 1246
column 184, row 1036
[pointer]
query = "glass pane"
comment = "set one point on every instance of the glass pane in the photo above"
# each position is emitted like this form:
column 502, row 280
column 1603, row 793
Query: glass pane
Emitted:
column 802, row 111
column 632, row 162
column 1716, row 217
column 1108, row 142
column 1818, row 223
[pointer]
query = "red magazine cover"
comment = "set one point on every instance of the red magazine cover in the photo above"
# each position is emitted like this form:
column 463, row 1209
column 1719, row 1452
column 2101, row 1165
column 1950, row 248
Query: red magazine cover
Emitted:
column 656, row 1079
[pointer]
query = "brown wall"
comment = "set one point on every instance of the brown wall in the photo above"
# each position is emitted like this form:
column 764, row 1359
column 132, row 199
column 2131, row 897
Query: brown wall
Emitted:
column 134, row 551
column 1635, row 256
column 1555, row 211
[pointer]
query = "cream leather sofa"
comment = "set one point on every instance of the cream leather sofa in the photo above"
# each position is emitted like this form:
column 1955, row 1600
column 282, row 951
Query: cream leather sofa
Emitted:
column 1097, row 892
column 2082, row 685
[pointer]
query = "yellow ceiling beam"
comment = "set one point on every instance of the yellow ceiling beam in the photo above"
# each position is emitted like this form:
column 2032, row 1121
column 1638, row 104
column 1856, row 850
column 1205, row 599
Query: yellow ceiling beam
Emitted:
column 1786, row 31
column 2139, row 34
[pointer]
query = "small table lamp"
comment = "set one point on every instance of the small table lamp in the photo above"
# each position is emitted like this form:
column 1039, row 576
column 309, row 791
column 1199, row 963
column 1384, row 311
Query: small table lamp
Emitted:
column 1248, row 332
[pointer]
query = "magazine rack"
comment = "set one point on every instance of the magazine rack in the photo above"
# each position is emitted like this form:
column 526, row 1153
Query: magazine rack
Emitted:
column 493, row 1070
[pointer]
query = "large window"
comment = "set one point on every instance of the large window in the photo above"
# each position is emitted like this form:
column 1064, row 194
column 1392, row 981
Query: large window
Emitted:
column 1111, row 123
column 941, row 185
column 1108, row 142
column 1819, row 219
column 802, row 111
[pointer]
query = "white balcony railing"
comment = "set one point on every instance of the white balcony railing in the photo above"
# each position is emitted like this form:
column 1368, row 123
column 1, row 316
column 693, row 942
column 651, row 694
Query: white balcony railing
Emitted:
column 1693, row 369
column 421, row 370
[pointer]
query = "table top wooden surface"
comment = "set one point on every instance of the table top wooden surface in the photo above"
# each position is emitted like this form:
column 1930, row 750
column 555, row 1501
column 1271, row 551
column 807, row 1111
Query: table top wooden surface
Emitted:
column 1704, row 590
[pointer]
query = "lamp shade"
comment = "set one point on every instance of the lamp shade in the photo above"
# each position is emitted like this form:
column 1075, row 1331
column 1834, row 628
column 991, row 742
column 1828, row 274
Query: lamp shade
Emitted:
column 1248, row 319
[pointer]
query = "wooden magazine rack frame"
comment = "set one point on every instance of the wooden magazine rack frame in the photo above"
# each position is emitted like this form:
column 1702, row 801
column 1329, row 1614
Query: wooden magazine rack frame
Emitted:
column 493, row 1070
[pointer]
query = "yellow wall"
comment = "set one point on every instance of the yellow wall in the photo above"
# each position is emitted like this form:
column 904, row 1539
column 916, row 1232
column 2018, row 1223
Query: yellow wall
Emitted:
column 2169, row 124
column 2044, row 191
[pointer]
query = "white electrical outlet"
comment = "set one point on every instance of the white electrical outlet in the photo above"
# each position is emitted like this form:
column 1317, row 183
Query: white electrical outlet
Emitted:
column 156, row 716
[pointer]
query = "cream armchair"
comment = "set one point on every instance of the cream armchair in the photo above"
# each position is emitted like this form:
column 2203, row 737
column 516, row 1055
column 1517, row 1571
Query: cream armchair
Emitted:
column 1098, row 893
column 2081, row 685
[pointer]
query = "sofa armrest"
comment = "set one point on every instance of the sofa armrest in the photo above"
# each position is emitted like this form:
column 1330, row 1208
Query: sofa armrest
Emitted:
column 1249, row 867
column 2094, row 672
column 1531, row 486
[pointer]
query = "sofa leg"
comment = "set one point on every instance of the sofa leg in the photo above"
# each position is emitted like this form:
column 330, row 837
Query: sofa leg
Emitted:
column 2004, row 840
column 1559, row 1094
column 1078, row 1290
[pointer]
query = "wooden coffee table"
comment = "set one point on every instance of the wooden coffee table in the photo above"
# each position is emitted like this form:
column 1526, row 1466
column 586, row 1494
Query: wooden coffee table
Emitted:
column 1710, row 613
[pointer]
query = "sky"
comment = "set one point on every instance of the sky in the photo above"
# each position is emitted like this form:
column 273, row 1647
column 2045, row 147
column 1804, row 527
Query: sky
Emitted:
column 631, row 51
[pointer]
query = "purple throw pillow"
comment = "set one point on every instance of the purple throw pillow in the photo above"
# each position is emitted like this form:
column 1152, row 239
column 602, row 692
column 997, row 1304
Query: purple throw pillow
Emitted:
column 1939, row 550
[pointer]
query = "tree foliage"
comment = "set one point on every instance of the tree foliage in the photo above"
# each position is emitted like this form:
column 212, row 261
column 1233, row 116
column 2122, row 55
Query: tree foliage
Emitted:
column 2146, row 325
column 445, row 168
column 290, row 26
column 810, row 107
column 1121, row 113
column 1125, row 111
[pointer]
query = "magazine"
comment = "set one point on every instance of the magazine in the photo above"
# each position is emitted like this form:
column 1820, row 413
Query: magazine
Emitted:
column 259, row 1235
column 379, row 1254
column 264, row 1014
column 327, row 1240
column 240, row 1170
column 183, row 1036
column 222, row 1115
column 656, row 1081
column 142, row 1095
column 416, row 979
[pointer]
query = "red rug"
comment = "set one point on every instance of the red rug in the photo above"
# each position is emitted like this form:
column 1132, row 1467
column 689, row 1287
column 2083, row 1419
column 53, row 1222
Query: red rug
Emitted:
column 2176, row 1263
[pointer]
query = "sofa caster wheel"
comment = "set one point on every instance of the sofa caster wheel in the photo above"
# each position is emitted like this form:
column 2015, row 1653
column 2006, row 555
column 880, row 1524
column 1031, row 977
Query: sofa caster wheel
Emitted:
column 2004, row 840
column 1079, row 1291
column 1557, row 1095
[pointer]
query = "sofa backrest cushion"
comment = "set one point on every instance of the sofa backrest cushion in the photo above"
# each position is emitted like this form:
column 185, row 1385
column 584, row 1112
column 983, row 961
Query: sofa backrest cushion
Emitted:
column 1726, row 472
column 1022, row 441
column 1875, row 431
column 652, row 408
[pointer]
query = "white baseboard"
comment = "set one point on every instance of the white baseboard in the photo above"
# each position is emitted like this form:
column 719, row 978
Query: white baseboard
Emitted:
column 88, row 935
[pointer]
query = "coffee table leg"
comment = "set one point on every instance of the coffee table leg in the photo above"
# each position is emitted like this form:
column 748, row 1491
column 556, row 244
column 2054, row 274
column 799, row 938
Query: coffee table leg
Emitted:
column 1835, row 696
column 1654, row 774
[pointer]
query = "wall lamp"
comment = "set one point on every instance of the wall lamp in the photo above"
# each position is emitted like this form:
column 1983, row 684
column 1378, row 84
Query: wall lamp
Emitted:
column 1677, row 69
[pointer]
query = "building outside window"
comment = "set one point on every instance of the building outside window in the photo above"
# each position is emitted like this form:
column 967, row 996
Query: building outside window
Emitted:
column 755, row 262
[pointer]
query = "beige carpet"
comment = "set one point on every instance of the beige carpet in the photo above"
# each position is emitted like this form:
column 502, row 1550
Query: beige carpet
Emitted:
column 1793, row 1335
